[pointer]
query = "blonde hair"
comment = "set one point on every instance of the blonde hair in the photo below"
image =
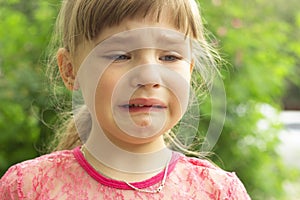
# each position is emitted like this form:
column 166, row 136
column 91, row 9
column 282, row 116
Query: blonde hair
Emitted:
column 83, row 20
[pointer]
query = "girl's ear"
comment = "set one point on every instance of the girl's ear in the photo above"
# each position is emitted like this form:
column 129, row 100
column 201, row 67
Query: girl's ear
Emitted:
column 66, row 68
column 192, row 66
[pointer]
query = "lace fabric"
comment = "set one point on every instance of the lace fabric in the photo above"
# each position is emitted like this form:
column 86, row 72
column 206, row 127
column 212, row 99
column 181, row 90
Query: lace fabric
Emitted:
column 67, row 175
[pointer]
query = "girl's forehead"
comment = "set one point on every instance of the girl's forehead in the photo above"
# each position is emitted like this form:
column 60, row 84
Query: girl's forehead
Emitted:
column 147, row 26
column 147, row 37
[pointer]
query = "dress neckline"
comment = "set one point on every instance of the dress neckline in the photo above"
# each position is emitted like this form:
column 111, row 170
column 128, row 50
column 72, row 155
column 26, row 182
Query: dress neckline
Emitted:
column 121, row 184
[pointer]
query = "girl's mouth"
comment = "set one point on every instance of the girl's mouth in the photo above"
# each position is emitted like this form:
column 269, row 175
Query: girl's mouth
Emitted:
column 143, row 105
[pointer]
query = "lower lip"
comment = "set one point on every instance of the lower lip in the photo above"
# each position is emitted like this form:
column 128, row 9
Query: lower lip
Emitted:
column 142, row 109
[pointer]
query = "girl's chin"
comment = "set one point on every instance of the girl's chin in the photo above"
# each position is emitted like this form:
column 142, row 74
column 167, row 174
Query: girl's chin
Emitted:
column 142, row 121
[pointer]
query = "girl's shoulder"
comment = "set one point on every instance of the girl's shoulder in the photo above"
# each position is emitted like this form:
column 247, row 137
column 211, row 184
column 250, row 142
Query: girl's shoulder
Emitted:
column 198, row 162
column 44, row 163
column 200, row 165
column 203, row 175
column 29, row 175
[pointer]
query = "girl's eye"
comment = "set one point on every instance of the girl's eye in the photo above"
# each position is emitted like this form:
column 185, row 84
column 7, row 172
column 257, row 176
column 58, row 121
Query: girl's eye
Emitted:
column 170, row 58
column 118, row 57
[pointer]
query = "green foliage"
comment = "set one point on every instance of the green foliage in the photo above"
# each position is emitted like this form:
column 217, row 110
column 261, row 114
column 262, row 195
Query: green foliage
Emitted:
column 258, row 40
column 25, row 27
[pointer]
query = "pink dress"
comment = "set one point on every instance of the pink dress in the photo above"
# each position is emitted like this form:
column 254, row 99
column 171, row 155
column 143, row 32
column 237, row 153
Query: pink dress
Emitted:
column 67, row 175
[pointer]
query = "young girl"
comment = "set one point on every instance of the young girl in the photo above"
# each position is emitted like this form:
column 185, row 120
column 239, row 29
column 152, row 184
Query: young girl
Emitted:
column 129, row 64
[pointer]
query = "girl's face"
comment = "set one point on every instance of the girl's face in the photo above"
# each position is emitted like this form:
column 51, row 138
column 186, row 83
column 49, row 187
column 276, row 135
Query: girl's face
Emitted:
column 136, row 79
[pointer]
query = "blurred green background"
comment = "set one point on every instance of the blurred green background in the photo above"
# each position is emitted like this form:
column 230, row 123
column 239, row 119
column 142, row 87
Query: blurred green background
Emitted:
column 260, row 39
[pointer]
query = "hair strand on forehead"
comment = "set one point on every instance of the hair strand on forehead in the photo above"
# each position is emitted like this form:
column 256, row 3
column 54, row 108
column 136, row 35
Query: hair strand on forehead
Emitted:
column 84, row 20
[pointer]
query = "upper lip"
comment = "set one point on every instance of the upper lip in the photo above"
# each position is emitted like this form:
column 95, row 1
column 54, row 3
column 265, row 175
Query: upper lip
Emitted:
column 145, row 102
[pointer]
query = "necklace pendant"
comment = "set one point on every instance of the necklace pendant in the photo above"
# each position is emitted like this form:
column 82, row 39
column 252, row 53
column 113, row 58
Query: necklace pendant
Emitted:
column 159, row 189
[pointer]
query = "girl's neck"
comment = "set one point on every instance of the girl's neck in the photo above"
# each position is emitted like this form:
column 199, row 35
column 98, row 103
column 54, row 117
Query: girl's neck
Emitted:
column 135, row 159
column 113, row 173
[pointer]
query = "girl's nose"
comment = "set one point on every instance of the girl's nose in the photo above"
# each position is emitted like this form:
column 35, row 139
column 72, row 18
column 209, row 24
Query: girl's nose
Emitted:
column 147, row 76
column 146, row 69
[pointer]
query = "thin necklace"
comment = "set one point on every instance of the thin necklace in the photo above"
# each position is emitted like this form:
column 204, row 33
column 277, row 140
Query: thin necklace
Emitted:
column 157, row 190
